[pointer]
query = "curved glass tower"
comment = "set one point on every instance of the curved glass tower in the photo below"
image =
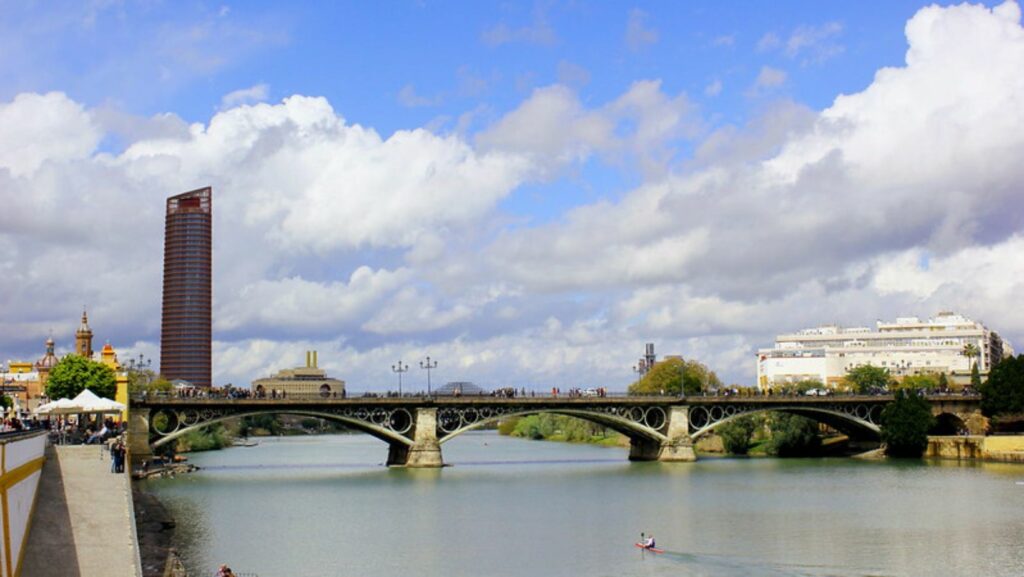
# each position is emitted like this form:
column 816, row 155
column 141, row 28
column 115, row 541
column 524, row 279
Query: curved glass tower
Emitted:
column 185, row 328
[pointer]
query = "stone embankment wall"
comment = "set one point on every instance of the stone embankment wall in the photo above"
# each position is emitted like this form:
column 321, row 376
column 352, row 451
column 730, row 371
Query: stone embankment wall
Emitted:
column 1003, row 448
column 21, row 465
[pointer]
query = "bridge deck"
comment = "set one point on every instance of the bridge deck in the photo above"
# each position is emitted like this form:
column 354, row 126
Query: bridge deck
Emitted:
column 546, row 401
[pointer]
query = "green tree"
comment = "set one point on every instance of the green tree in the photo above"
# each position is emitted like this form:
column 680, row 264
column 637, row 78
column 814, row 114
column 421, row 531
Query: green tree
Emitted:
column 74, row 373
column 267, row 424
column 793, row 436
column 975, row 377
column 737, row 433
column 1003, row 392
column 865, row 378
column 209, row 438
column 918, row 382
column 6, row 402
column 905, row 424
column 943, row 381
column 970, row 351
column 671, row 374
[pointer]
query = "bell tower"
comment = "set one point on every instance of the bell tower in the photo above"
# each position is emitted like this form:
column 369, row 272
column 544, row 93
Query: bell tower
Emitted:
column 83, row 338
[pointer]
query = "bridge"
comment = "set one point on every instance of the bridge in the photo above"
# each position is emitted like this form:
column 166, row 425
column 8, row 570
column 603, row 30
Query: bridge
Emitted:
column 659, row 428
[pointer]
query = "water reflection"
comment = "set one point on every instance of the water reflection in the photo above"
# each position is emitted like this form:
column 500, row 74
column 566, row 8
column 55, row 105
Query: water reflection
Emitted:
column 326, row 506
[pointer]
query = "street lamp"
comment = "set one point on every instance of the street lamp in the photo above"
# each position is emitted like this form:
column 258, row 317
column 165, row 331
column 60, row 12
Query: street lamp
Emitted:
column 400, row 368
column 427, row 365
column 639, row 370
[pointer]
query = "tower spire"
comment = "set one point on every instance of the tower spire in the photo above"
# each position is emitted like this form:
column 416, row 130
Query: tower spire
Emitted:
column 83, row 337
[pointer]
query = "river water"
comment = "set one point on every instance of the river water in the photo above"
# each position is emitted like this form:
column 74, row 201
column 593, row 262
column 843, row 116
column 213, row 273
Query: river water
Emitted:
column 326, row 506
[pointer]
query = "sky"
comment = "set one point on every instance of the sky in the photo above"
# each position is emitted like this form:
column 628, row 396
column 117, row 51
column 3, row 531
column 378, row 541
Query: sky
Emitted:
column 527, row 192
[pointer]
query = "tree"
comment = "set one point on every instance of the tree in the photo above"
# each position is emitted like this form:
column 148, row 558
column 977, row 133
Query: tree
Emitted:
column 74, row 373
column 672, row 373
column 866, row 378
column 1003, row 393
column 918, row 382
column 793, row 436
column 970, row 351
column 943, row 382
column 975, row 377
column 905, row 424
column 736, row 434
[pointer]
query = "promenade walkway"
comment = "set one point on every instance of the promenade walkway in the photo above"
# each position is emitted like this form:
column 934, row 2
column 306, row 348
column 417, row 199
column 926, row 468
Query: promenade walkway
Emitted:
column 83, row 524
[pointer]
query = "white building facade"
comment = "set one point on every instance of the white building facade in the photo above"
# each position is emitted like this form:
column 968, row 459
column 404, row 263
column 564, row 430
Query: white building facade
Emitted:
column 908, row 346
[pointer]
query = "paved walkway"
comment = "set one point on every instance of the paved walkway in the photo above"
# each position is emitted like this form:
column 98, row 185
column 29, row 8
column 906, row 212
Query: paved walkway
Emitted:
column 83, row 524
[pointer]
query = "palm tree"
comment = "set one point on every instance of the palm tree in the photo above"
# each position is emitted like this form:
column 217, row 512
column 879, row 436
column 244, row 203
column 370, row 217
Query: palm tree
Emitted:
column 970, row 351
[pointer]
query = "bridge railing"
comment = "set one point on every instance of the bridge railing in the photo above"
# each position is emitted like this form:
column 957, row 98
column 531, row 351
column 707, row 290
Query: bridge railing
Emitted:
column 244, row 394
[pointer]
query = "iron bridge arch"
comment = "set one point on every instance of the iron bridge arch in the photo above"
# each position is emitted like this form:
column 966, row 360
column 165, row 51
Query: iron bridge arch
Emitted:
column 633, row 421
column 391, row 425
column 850, row 418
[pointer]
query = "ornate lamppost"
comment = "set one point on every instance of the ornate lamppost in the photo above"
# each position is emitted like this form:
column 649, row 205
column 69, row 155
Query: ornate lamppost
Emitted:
column 400, row 368
column 427, row 365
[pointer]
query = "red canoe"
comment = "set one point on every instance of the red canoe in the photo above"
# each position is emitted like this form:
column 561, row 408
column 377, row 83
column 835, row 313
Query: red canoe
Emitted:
column 651, row 549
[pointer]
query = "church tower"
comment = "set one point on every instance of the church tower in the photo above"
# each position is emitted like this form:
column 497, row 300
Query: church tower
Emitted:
column 83, row 338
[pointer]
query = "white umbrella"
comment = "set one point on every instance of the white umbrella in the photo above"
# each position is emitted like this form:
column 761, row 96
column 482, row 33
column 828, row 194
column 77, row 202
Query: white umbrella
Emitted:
column 90, row 403
column 59, row 407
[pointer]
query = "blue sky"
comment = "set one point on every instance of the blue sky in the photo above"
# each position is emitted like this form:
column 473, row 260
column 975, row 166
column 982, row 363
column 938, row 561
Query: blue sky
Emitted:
column 527, row 191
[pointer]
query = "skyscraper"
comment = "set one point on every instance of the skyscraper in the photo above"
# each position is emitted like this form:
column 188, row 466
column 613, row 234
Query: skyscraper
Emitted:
column 185, row 328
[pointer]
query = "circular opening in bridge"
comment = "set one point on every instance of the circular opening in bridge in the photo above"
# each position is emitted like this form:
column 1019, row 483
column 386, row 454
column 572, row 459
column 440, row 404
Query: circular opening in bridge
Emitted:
column 164, row 422
column 325, row 390
column 190, row 417
column 862, row 412
column 875, row 416
column 379, row 417
column 400, row 421
column 448, row 420
column 716, row 413
column 699, row 417
column 470, row 416
column 636, row 414
column 655, row 418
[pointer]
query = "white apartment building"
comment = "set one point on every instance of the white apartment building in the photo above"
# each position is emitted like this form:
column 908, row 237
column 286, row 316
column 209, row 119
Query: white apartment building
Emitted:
column 908, row 346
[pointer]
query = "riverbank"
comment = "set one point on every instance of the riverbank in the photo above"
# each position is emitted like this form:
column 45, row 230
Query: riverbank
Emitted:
column 155, row 528
column 995, row 448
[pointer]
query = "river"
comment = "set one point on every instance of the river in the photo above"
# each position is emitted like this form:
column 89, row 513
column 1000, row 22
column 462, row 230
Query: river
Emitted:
column 326, row 506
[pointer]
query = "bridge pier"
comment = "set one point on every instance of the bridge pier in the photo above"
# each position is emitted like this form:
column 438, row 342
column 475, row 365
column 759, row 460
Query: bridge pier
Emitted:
column 678, row 448
column 425, row 451
column 138, row 437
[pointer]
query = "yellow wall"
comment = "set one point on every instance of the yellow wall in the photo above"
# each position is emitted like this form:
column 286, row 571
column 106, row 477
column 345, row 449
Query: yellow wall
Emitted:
column 20, row 367
column 1002, row 443
column 122, row 393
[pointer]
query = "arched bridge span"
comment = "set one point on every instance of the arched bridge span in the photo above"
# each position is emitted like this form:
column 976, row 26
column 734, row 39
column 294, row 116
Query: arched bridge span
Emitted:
column 659, row 428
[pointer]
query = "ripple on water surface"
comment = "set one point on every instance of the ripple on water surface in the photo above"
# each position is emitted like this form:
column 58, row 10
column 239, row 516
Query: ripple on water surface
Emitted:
column 326, row 505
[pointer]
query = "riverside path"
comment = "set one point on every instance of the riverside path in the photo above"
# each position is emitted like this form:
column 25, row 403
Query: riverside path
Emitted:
column 83, row 524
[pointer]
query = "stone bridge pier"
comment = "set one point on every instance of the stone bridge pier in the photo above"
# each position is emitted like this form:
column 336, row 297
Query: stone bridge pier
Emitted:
column 675, row 447
column 139, row 449
column 425, row 450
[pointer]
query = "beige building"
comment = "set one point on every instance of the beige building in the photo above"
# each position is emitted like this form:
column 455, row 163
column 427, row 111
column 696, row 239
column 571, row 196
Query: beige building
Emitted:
column 908, row 346
column 307, row 381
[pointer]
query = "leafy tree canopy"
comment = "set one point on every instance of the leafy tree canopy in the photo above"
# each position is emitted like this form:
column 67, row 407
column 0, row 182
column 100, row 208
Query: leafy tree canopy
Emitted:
column 793, row 436
column 866, row 378
column 74, row 373
column 975, row 377
column 905, row 424
column 918, row 382
column 1003, row 393
column 736, row 434
column 673, row 373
